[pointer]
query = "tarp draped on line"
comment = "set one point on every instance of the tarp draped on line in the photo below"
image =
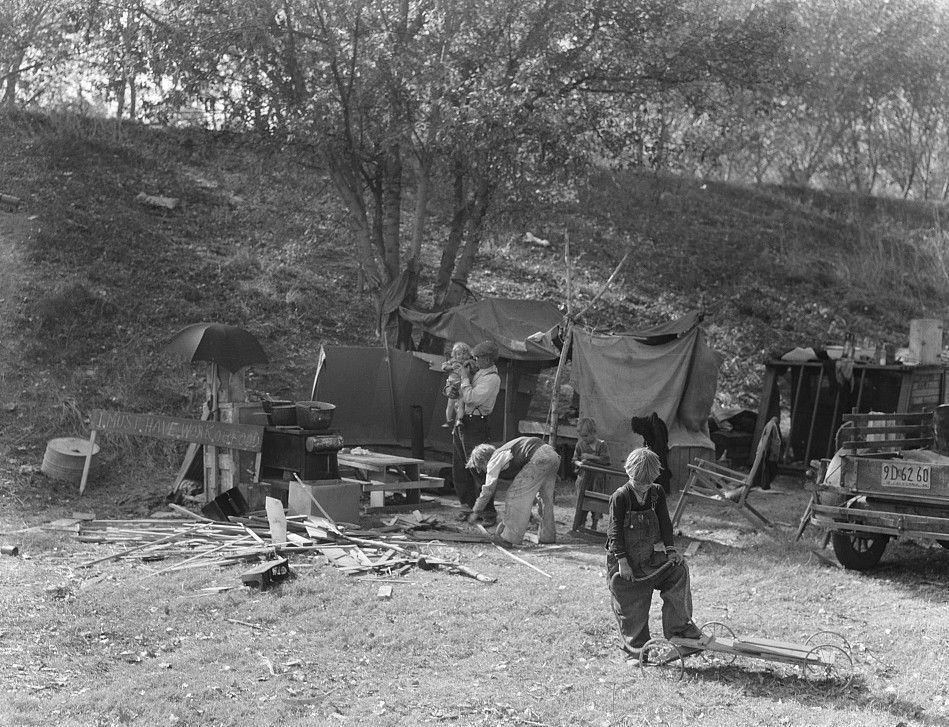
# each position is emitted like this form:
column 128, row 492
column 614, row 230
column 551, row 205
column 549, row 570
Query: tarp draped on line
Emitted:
column 374, row 395
column 619, row 377
column 523, row 329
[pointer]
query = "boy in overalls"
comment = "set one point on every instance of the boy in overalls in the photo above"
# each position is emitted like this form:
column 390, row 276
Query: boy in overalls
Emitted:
column 641, row 558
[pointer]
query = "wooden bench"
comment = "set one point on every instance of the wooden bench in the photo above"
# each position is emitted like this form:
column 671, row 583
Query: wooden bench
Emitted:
column 382, row 473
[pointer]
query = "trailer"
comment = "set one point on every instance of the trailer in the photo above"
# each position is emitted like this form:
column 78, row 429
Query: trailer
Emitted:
column 885, row 482
column 824, row 658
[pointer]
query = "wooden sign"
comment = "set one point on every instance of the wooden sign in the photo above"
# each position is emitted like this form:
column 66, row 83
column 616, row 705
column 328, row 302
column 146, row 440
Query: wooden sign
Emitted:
column 245, row 437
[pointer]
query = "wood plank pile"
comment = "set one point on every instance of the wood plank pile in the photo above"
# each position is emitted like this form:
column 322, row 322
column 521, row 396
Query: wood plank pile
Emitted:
column 204, row 543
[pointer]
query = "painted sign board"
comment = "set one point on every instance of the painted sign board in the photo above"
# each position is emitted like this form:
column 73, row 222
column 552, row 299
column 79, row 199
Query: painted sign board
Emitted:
column 245, row 437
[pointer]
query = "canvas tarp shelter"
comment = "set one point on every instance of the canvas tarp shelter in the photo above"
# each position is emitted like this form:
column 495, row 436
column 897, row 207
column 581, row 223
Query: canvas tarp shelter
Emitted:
column 375, row 394
column 521, row 328
column 667, row 369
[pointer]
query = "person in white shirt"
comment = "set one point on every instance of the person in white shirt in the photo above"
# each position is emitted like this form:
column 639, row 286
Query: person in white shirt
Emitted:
column 531, row 466
column 477, row 394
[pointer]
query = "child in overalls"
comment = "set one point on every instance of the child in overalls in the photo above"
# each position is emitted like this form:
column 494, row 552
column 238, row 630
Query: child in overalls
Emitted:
column 642, row 558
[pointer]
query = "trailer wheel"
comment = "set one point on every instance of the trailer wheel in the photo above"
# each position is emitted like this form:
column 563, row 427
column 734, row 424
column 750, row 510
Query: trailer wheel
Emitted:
column 830, row 665
column 859, row 552
column 714, row 629
column 661, row 659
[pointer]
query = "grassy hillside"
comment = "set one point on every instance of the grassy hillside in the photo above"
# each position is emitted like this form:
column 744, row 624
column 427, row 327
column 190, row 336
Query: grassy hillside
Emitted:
column 96, row 282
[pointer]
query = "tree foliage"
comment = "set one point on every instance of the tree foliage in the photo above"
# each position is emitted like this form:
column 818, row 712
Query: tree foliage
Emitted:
column 427, row 115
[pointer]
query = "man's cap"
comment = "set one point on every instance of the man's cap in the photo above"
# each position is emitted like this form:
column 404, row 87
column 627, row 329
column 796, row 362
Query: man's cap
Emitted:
column 486, row 348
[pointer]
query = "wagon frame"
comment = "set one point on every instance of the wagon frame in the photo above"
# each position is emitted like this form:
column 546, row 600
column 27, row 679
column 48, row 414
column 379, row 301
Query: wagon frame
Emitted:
column 825, row 657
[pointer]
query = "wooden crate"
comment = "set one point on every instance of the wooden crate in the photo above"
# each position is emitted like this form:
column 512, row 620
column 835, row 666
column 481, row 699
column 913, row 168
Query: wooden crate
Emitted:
column 679, row 460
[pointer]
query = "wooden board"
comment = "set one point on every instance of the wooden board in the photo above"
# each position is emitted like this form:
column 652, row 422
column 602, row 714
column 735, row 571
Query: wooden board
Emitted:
column 245, row 437
column 376, row 486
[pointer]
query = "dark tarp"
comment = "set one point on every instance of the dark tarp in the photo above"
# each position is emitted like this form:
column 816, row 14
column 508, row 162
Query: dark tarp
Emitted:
column 374, row 396
column 666, row 332
column 619, row 377
column 667, row 369
column 521, row 328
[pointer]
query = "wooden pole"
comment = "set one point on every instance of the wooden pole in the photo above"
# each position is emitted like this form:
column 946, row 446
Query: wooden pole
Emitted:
column 567, row 266
column 567, row 340
column 395, row 410
column 211, row 479
column 88, row 462
column 555, row 388
column 316, row 502
column 510, row 394
column 553, row 414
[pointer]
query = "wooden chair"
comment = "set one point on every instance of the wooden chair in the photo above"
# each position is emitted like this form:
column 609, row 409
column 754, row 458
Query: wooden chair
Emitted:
column 712, row 482
column 595, row 502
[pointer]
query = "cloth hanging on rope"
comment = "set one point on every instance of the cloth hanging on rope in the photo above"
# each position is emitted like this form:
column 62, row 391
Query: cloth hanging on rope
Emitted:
column 656, row 436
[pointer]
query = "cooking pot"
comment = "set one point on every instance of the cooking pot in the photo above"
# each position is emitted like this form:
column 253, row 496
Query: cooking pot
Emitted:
column 314, row 414
column 280, row 413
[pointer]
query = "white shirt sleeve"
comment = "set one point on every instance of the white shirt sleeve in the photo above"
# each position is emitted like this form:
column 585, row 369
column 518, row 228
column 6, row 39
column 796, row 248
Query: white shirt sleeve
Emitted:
column 499, row 460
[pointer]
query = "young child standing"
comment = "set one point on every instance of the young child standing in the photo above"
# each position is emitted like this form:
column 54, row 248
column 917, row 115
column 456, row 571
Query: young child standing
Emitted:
column 460, row 358
column 641, row 558
column 593, row 451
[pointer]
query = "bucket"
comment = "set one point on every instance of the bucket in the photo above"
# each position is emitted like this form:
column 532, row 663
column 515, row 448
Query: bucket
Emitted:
column 925, row 339
column 65, row 459
column 316, row 415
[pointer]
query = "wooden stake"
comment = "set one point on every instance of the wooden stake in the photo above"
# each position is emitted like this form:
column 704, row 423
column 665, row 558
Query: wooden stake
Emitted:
column 509, row 554
column 197, row 557
column 114, row 556
column 88, row 463
column 211, row 489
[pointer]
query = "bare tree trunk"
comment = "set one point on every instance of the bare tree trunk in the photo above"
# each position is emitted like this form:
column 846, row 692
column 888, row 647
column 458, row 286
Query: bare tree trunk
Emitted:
column 392, row 210
column 475, row 228
column 119, row 98
column 133, row 97
column 12, row 78
column 456, row 233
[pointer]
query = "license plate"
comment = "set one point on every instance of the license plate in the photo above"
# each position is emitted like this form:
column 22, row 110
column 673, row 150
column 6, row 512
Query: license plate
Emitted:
column 914, row 476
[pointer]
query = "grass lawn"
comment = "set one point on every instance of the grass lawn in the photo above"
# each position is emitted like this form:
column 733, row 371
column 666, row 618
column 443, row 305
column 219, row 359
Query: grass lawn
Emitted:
column 116, row 644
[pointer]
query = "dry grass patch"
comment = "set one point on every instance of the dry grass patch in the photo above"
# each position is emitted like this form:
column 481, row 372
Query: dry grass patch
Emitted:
column 115, row 644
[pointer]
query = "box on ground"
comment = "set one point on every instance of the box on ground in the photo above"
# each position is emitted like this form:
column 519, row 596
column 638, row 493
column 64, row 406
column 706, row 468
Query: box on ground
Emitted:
column 339, row 498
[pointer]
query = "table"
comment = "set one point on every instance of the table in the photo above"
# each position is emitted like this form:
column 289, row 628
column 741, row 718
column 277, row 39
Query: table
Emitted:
column 381, row 473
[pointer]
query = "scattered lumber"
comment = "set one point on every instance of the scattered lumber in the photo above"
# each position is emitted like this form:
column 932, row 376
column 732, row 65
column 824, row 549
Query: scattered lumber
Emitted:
column 199, row 542
column 511, row 555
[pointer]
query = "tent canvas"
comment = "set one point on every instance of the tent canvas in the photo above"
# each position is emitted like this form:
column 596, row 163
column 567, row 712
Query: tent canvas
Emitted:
column 622, row 376
column 523, row 329
column 667, row 369
column 374, row 396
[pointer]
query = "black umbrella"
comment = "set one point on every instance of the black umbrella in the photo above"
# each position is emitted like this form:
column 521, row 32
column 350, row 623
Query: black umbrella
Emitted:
column 231, row 347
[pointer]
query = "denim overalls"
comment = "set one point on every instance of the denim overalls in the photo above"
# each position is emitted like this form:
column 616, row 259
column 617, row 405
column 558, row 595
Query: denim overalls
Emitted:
column 652, row 570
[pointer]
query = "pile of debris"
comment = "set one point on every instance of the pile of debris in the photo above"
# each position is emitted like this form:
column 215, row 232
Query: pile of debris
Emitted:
column 270, row 541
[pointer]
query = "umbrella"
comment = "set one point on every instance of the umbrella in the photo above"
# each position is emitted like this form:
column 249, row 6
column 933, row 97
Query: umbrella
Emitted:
column 231, row 347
